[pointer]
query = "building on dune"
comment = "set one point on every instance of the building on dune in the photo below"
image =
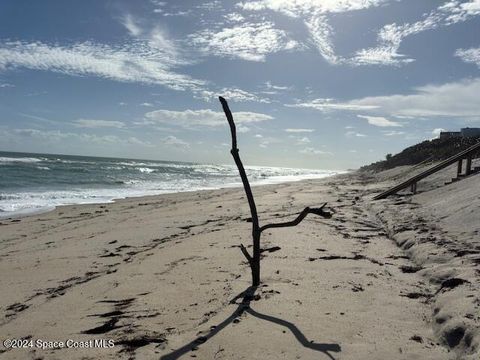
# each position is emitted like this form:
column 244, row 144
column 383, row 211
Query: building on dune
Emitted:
column 464, row 132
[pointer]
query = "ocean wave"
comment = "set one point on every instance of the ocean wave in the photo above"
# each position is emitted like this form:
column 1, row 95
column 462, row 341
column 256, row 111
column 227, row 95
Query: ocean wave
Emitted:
column 20, row 160
column 146, row 170
column 100, row 180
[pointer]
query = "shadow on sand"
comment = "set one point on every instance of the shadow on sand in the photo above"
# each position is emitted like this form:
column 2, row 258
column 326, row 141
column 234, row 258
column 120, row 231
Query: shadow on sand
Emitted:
column 244, row 306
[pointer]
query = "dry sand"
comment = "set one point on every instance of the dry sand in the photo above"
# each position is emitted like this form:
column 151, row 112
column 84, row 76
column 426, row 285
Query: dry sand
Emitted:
column 393, row 279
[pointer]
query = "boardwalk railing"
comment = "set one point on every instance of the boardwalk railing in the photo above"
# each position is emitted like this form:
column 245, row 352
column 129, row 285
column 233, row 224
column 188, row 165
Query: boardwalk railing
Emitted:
column 412, row 182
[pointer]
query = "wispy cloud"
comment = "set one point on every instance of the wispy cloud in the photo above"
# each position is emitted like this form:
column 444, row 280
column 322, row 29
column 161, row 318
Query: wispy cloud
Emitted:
column 393, row 133
column 314, row 151
column 313, row 13
column 379, row 121
column 460, row 10
column 136, row 62
column 131, row 25
column 330, row 104
column 303, row 140
column 91, row 123
column 55, row 136
column 469, row 55
column 247, row 41
column 232, row 94
column 272, row 89
column 354, row 134
column 299, row 130
column 175, row 142
column 315, row 16
column 192, row 119
column 455, row 99
column 391, row 36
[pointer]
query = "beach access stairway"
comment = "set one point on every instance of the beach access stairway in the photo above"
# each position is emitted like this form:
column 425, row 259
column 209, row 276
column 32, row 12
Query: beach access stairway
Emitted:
column 459, row 158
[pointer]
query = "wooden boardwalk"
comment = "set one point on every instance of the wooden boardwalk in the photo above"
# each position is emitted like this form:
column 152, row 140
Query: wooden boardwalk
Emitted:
column 412, row 182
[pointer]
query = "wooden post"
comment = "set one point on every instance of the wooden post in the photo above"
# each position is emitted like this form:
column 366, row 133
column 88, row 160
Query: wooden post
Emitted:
column 468, row 169
column 459, row 167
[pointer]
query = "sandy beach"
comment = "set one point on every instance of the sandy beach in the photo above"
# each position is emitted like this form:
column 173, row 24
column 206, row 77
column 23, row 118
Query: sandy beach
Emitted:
column 163, row 276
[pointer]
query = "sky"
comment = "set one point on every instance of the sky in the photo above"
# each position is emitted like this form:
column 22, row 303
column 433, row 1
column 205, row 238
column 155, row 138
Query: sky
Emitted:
column 326, row 84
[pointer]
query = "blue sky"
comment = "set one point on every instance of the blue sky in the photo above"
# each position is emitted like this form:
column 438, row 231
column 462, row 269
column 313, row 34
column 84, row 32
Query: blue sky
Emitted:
column 312, row 83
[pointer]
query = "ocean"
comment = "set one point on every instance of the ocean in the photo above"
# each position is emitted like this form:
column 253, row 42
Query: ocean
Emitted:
column 40, row 182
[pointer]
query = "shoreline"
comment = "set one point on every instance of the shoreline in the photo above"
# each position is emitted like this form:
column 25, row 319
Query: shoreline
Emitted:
column 37, row 211
column 158, row 275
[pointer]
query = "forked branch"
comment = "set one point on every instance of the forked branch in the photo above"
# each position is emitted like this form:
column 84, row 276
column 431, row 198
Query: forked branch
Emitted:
column 254, row 260
column 317, row 211
column 245, row 252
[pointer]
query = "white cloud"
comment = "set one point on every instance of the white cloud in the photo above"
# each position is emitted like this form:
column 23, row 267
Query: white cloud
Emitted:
column 234, row 17
column 231, row 94
column 436, row 132
column 6, row 85
column 301, row 7
column 242, row 129
column 393, row 133
column 329, row 104
column 313, row 151
column 321, row 33
column 354, row 134
column 379, row 121
column 247, row 41
column 455, row 99
column 130, row 24
column 191, row 119
column 460, row 11
column 299, row 130
column 302, row 141
column 136, row 62
column 391, row 36
column 469, row 55
column 275, row 89
column 175, row 142
column 210, row 5
column 55, row 136
column 91, row 123
column 146, row 104
column 313, row 12
column 178, row 13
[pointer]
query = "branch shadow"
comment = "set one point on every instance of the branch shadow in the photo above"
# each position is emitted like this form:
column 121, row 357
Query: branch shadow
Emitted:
column 244, row 306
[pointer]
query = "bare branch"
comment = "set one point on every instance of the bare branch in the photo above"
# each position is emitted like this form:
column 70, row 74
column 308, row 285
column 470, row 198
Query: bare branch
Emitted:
column 235, row 154
column 254, row 260
column 317, row 211
column 245, row 252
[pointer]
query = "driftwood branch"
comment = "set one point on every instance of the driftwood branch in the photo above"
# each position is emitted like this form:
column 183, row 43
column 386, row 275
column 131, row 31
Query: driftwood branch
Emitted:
column 245, row 252
column 254, row 260
column 317, row 211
